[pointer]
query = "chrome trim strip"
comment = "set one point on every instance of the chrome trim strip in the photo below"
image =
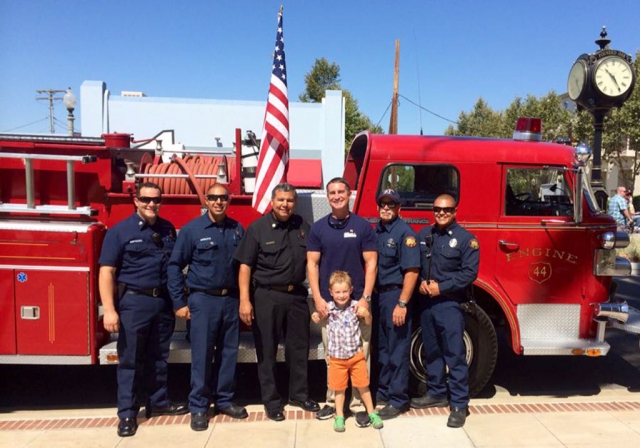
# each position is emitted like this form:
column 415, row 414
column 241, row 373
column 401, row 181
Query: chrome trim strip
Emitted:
column 45, row 359
column 46, row 268
column 46, row 226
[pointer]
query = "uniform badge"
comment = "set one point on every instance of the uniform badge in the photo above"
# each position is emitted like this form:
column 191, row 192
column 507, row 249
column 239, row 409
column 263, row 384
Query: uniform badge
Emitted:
column 453, row 242
column 410, row 241
column 473, row 244
column 391, row 243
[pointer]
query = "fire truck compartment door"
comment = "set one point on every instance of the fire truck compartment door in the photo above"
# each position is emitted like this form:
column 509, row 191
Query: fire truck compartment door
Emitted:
column 51, row 312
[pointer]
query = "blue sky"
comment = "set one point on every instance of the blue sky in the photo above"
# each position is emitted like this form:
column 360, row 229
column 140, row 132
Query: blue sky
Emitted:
column 451, row 51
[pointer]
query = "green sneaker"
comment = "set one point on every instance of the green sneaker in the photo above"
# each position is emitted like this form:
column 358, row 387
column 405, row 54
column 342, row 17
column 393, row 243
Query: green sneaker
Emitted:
column 376, row 421
column 338, row 424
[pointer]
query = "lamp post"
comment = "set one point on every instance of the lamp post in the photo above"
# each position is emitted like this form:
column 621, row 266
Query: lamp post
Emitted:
column 70, row 101
column 599, row 82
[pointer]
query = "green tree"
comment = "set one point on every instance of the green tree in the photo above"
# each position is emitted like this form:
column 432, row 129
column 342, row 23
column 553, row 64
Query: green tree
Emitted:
column 481, row 122
column 326, row 76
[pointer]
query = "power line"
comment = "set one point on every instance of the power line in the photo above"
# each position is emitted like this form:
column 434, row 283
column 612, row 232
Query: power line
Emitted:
column 25, row 125
column 427, row 110
column 51, row 97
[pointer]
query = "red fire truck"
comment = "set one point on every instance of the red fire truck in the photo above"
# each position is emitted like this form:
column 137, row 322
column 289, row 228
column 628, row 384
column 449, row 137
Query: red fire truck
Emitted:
column 547, row 250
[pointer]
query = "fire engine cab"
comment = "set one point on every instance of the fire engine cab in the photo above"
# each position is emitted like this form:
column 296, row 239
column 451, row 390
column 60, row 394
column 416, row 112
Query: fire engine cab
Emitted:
column 547, row 250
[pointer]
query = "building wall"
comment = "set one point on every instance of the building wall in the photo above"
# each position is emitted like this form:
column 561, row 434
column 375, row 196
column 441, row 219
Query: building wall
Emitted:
column 316, row 129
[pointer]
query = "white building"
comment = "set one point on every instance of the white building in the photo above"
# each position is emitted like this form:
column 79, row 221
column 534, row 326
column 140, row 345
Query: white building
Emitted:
column 316, row 129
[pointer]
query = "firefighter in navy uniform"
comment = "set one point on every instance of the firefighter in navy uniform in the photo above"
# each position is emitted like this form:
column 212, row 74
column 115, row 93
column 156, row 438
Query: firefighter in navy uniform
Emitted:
column 132, row 281
column 398, row 269
column 274, row 251
column 449, row 260
column 207, row 244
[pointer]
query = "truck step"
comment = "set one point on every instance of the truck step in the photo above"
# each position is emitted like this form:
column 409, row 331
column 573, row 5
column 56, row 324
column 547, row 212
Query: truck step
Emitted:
column 532, row 347
column 181, row 349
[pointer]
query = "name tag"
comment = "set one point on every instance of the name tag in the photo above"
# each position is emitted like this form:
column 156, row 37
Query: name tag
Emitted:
column 350, row 235
column 135, row 241
column 206, row 239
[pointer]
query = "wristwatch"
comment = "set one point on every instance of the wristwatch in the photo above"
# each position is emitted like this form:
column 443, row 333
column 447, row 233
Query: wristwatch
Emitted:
column 402, row 304
column 367, row 298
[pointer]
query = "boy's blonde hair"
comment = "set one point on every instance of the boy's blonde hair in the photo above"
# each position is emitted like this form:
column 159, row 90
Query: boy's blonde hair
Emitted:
column 339, row 277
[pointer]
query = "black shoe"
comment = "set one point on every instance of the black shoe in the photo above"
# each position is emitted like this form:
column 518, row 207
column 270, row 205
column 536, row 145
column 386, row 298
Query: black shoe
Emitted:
column 380, row 403
column 389, row 411
column 308, row 404
column 326, row 412
column 199, row 421
column 170, row 409
column 457, row 417
column 127, row 427
column 428, row 402
column 362, row 419
column 233, row 411
column 275, row 414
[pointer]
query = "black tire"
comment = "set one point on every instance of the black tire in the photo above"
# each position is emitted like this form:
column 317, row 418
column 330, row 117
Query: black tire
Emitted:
column 482, row 352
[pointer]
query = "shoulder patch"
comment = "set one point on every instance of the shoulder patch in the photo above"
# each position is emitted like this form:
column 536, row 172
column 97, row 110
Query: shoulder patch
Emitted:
column 473, row 243
column 410, row 241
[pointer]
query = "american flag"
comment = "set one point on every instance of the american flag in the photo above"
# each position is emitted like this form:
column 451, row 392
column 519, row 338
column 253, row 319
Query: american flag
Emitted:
column 274, row 150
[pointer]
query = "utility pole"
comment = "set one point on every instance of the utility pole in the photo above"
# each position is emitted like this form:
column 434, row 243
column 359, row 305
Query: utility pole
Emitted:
column 51, row 97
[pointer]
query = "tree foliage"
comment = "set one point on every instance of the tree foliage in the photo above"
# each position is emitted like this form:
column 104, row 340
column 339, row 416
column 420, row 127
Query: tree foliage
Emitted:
column 621, row 135
column 326, row 76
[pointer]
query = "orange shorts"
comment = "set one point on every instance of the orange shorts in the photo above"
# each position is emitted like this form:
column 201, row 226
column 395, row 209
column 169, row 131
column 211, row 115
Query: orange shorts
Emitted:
column 341, row 369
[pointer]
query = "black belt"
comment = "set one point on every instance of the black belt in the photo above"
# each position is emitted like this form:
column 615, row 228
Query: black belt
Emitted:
column 388, row 288
column 280, row 288
column 160, row 291
column 214, row 292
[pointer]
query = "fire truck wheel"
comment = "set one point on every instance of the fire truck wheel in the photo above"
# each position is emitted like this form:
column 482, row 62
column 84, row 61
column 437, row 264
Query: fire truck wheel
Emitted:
column 482, row 352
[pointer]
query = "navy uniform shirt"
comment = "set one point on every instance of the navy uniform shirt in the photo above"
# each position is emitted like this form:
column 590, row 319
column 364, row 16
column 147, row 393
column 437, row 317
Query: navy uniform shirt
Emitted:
column 341, row 244
column 208, row 248
column 276, row 251
column 140, row 252
column 455, row 258
column 397, row 251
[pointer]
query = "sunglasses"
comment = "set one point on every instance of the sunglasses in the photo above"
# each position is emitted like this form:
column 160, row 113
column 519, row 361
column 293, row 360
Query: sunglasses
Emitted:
column 149, row 199
column 446, row 210
column 215, row 197
column 391, row 204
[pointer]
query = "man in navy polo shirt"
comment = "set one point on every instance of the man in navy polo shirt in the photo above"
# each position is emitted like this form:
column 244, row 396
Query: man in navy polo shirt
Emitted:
column 206, row 245
column 342, row 241
column 133, row 290
column 398, row 269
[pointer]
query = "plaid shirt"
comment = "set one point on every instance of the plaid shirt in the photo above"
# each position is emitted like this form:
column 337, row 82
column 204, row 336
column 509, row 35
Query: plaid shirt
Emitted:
column 343, row 331
column 617, row 205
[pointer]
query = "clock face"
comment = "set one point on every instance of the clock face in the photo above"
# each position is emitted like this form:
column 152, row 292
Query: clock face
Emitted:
column 577, row 78
column 613, row 76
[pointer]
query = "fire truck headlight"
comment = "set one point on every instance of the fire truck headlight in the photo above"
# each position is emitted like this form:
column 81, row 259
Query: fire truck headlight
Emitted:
column 608, row 240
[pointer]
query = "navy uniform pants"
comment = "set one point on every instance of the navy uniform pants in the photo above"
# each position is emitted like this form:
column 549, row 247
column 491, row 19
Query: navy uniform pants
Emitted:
column 281, row 314
column 442, row 324
column 394, row 344
column 215, row 330
column 146, row 326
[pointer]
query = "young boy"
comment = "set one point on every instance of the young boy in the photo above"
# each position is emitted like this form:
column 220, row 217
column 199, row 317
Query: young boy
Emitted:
column 346, row 358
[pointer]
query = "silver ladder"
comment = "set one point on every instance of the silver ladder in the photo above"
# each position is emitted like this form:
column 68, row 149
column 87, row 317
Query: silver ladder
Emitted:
column 30, row 206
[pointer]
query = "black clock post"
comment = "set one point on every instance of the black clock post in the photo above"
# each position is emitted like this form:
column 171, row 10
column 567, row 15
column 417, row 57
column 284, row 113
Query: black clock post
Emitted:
column 599, row 82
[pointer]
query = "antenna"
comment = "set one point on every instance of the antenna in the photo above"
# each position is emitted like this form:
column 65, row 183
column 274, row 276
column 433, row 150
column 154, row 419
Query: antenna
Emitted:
column 418, row 70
